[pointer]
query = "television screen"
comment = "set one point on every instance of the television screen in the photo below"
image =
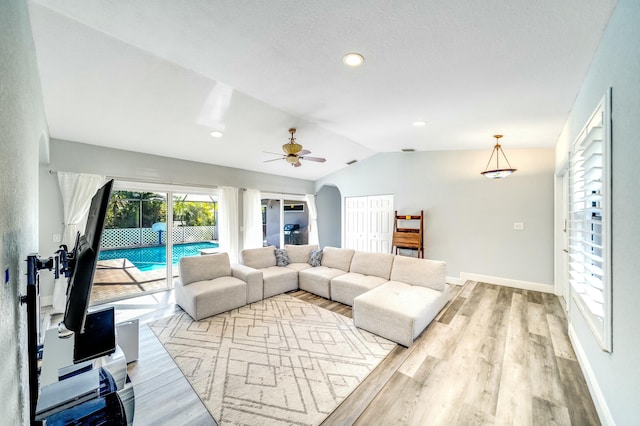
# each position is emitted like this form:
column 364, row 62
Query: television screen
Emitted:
column 85, row 258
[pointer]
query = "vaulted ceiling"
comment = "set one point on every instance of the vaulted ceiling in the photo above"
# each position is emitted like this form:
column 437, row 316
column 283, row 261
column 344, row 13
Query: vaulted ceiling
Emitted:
column 157, row 76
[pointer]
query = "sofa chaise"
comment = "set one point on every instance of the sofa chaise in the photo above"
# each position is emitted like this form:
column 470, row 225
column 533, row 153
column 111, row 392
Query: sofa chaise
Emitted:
column 403, row 307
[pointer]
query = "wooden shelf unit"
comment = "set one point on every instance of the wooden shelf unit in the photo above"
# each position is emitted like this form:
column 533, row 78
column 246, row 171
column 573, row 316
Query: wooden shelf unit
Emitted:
column 408, row 238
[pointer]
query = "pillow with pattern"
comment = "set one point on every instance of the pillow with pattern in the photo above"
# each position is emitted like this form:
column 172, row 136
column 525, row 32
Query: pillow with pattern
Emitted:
column 282, row 258
column 316, row 257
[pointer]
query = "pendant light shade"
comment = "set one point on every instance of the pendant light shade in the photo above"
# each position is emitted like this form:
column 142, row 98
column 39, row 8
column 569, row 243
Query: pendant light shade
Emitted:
column 497, row 172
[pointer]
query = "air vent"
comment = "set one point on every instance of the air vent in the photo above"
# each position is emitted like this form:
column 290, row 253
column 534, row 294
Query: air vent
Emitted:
column 408, row 150
column 352, row 162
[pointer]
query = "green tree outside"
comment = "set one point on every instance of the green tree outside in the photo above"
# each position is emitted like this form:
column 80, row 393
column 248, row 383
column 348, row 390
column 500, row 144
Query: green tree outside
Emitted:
column 129, row 209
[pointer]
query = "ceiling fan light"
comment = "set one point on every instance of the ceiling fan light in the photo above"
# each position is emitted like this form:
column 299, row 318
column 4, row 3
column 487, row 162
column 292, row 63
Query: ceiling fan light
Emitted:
column 292, row 148
column 292, row 159
column 216, row 134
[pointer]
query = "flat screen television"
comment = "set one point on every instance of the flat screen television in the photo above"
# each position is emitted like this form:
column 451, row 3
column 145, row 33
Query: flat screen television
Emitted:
column 83, row 260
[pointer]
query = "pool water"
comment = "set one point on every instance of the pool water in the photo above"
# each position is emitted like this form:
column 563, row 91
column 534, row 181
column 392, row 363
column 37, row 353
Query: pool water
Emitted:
column 150, row 258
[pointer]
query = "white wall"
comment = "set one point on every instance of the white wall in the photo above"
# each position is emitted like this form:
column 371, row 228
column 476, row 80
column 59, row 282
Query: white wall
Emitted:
column 23, row 134
column 468, row 218
column 83, row 158
column 616, row 376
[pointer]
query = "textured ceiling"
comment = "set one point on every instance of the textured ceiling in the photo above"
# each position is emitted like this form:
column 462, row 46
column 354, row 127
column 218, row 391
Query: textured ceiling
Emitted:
column 157, row 76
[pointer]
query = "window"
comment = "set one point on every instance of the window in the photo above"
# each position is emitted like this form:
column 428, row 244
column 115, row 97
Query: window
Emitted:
column 590, row 223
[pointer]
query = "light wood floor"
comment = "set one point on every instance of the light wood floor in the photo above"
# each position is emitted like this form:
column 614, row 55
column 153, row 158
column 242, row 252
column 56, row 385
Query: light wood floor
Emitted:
column 494, row 356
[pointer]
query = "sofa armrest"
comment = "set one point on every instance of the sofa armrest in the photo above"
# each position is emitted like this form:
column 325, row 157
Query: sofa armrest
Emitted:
column 253, row 278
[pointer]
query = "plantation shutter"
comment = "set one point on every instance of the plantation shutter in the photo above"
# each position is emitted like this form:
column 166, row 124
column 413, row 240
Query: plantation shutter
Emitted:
column 589, row 225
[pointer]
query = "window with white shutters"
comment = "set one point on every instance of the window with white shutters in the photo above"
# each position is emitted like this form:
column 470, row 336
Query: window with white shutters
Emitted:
column 590, row 223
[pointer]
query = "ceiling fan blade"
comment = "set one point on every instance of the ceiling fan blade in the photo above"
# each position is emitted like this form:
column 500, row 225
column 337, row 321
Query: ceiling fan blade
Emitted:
column 275, row 159
column 316, row 159
column 303, row 152
column 273, row 153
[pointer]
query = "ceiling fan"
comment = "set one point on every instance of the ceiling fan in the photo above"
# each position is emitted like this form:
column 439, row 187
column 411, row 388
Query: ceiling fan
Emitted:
column 293, row 153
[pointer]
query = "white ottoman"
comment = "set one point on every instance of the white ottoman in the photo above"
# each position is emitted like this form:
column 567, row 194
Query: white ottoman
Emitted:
column 398, row 311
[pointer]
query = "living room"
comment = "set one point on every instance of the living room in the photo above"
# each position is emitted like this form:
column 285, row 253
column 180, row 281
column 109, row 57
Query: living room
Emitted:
column 469, row 219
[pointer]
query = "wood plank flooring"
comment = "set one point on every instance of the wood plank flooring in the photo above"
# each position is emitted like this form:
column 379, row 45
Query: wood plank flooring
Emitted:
column 494, row 356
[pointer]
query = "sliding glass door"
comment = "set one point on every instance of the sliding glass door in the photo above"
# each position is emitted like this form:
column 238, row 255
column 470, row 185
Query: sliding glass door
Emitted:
column 141, row 249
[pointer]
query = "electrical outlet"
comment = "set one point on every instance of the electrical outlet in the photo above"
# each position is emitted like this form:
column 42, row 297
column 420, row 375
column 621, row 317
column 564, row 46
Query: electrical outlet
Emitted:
column 56, row 238
column 518, row 226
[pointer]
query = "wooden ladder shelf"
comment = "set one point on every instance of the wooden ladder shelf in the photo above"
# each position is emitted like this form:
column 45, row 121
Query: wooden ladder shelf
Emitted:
column 408, row 238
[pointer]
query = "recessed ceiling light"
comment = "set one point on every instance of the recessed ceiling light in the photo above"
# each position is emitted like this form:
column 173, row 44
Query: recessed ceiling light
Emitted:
column 419, row 123
column 217, row 134
column 353, row 59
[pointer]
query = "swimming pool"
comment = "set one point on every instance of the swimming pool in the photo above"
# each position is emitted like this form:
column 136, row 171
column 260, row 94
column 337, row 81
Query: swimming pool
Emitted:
column 150, row 258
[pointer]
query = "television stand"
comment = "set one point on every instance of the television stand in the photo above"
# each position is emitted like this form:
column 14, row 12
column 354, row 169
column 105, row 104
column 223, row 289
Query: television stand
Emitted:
column 58, row 354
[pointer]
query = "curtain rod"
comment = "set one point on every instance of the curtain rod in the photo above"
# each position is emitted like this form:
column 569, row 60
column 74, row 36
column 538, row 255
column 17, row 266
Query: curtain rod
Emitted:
column 151, row 181
column 158, row 182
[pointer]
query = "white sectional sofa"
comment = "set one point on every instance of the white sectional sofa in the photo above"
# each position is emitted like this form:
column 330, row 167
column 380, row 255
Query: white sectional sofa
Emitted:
column 393, row 296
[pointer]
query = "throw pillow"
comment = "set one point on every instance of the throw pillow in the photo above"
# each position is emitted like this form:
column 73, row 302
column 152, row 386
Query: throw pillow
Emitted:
column 316, row 257
column 282, row 258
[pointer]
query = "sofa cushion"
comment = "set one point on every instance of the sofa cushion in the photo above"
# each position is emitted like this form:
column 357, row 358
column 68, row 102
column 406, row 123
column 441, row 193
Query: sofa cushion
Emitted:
column 258, row 258
column 203, row 299
column 203, row 268
column 315, row 259
column 301, row 253
column 316, row 280
column 282, row 258
column 422, row 272
column 339, row 258
column 345, row 288
column 299, row 266
column 376, row 264
column 277, row 280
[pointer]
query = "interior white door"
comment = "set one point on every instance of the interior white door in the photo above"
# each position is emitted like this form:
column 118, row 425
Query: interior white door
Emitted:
column 380, row 226
column 356, row 223
column 369, row 223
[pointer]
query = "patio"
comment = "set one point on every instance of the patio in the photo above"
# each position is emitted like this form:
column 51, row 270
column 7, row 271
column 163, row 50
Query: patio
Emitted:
column 119, row 278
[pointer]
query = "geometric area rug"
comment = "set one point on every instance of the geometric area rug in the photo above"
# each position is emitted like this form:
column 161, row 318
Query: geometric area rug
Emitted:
column 276, row 361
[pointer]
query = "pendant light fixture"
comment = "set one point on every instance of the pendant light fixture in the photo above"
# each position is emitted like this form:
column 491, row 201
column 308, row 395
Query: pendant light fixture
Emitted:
column 497, row 172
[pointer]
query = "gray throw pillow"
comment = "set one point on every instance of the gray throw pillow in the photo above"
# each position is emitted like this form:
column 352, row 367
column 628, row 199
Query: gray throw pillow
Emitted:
column 282, row 258
column 316, row 258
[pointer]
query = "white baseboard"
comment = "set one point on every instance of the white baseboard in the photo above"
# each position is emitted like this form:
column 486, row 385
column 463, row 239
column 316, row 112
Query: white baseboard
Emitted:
column 455, row 281
column 524, row 285
column 596, row 393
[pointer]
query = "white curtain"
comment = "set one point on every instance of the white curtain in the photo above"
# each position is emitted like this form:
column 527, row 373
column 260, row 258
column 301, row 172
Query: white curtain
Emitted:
column 313, row 219
column 252, row 216
column 77, row 191
column 228, row 222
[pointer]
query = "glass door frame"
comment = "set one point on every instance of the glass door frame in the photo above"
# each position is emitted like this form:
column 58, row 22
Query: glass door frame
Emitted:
column 169, row 190
column 281, row 198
